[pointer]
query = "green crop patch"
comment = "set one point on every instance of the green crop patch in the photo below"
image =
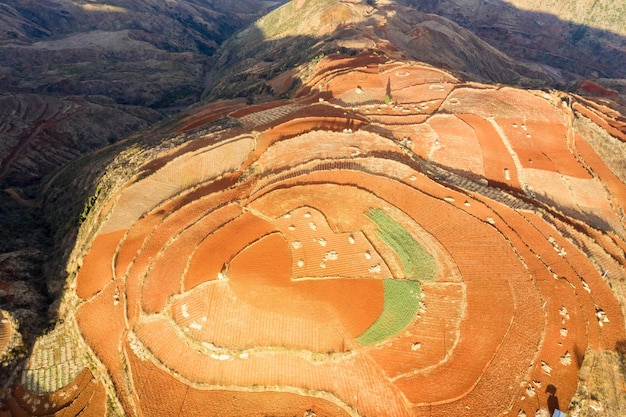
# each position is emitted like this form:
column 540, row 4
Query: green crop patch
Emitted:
column 418, row 264
column 401, row 304
column 402, row 297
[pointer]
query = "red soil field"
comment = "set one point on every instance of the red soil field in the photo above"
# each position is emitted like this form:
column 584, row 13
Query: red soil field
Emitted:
column 431, row 338
column 162, row 394
column 529, row 153
column 205, row 164
column 320, row 252
column 165, row 275
column 102, row 326
column 241, row 289
column 57, row 402
column 551, row 141
column 84, row 396
column 167, row 181
column 504, row 103
column 257, row 278
column 322, row 146
column 300, row 126
column 593, row 199
column 573, row 324
column 158, row 238
column 97, row 268
column 338, row 64
column 220, row 247
column 338, row 377
column 219, row 315
column 141, row 229
column 458, row 145
column 497, row 161
column 594, row 89
column 598, row 114
column 615, row 185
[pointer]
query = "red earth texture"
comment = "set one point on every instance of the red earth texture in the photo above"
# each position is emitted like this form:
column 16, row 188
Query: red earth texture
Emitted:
column 235, row 276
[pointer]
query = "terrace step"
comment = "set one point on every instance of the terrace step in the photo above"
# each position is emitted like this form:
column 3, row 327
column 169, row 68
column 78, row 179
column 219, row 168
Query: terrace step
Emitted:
column 55, row 361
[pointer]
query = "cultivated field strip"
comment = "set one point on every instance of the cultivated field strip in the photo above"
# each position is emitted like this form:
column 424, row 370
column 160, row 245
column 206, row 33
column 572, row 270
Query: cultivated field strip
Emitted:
column 55, row 361
column 432, row 336
column 151, row 380
column 602, row 115
column 458, row 146
column 275, row 369
column 565, row 324
column 190, row 207
column 268, row 116
column 593, row 295
column 326, row 252
column 207, row 164
column 168, row 270
column 216, row 316
column 550, row 140
column 497, row 162
column 220, row 247
column 617, row 189
column 159, row 237
column 98, row 267
column 83, row 394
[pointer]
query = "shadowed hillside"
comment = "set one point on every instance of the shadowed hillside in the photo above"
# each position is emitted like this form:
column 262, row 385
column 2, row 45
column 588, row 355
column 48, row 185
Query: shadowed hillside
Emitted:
column 575, row 39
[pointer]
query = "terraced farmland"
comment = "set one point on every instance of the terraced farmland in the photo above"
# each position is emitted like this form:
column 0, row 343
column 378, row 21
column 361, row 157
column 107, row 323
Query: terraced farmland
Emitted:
column 334, row 257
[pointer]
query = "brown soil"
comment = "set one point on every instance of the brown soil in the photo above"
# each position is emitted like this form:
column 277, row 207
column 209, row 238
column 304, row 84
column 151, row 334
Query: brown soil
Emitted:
column 208, row 114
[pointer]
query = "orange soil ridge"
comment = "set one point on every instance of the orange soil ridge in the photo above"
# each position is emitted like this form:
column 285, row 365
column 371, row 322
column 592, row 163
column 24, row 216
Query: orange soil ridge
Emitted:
column 83, row 396
column 244, row 293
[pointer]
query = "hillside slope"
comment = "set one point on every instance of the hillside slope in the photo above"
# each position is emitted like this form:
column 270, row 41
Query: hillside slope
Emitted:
column 77, row 76
column 359, row 219
column 131, row 61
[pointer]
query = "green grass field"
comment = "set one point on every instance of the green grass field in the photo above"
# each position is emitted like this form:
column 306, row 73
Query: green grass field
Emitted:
column 417, row 263
column 402, row 298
